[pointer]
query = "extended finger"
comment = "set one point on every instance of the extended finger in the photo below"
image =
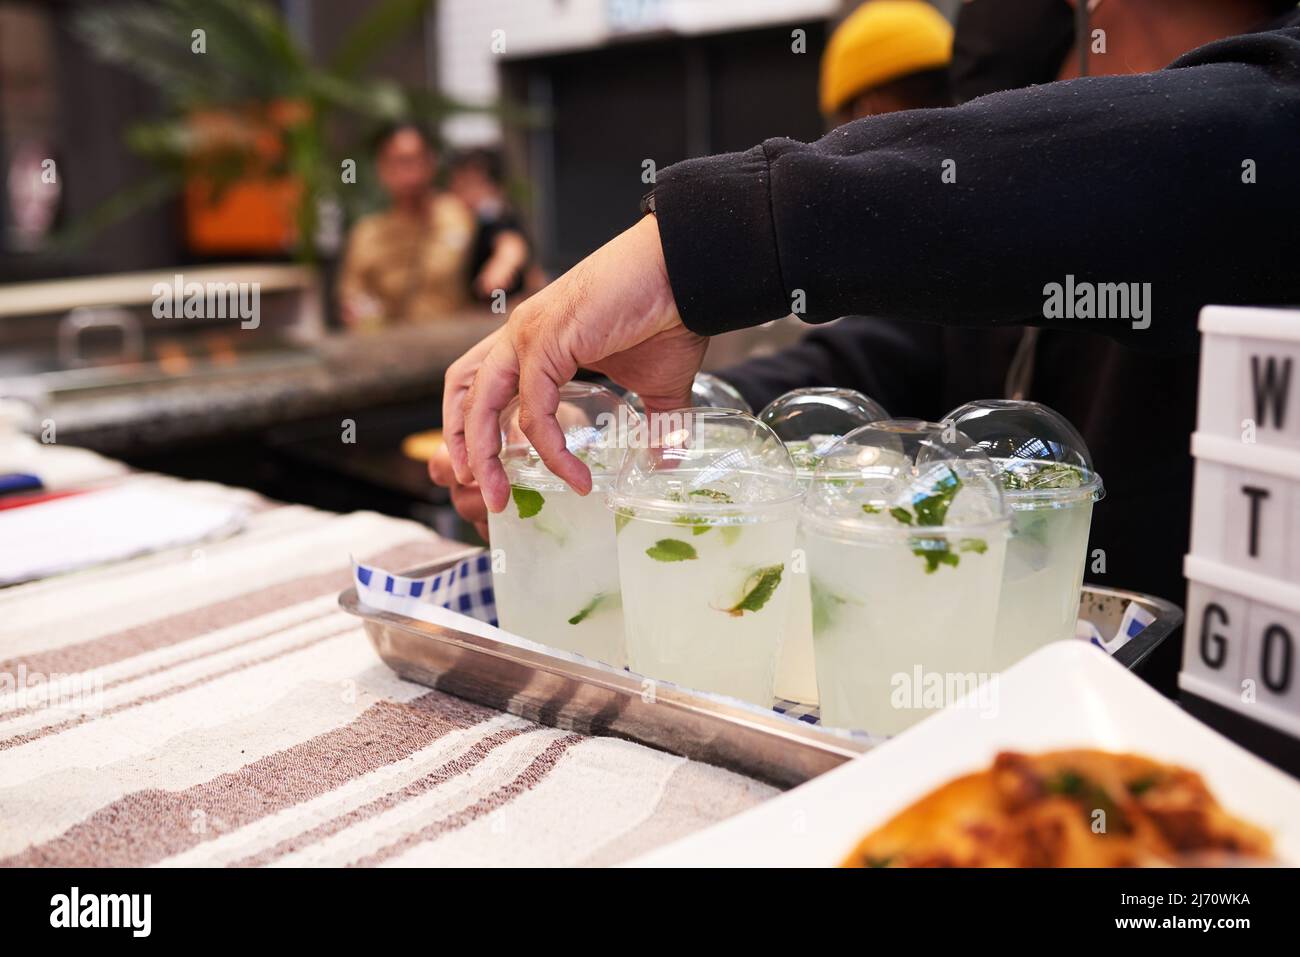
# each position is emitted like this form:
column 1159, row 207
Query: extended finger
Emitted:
column 494, row 386
column 539, row 400
column 457, row 382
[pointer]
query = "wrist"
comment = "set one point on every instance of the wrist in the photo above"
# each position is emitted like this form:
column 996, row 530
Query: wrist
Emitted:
column 663, row 305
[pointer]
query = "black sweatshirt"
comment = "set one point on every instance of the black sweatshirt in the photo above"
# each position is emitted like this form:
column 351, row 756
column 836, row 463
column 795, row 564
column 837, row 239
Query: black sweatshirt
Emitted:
column 1133, row 179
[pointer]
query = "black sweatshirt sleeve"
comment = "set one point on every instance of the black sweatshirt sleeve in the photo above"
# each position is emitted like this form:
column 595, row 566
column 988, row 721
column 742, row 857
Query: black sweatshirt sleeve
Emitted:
column 1116, row 179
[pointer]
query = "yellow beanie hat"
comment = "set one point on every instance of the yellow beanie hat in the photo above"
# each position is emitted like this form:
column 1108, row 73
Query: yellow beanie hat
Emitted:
column 880, row 41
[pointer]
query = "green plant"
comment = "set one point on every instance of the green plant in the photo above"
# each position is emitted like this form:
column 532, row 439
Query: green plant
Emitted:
column 251, row 64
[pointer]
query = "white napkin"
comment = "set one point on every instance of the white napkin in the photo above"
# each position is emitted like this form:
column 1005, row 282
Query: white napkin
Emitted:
column 106, row 525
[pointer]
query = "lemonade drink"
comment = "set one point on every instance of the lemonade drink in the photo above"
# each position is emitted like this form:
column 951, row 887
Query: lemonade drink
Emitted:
column 1049, row 483
column 940, row 622
column 1043, row 577
column 556, row 580
column 555, row 560
column 705, row 532
column 705, row 603
column 809, row 421
column 906, row 537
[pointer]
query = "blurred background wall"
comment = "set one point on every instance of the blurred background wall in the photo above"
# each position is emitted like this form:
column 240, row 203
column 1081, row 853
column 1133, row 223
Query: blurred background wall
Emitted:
column 584, row 99
column 611, row 83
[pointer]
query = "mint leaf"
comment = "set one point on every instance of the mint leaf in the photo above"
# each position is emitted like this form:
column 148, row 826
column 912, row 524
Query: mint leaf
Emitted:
column 901, row 514
column 529, row 501
column 590, row 607
column 805, row 458
column 758, row 589
column 699, row 523
column 932, row 509
column 695, row 522
column 936, row 557
column 1045, row 475
column 713, row 495
column 874, row 509
column 1031, row 530
column 730, row 534
column 671, row 550
column 935, row 554
column 824, row 604
column 620, row 521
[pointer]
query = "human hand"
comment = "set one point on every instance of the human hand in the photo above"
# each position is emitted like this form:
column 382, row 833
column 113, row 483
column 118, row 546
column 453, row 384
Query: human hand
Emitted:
column 467, row 499
column 613, row 312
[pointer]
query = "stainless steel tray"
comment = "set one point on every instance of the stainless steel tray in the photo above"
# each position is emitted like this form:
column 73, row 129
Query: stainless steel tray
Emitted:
column 596, row 699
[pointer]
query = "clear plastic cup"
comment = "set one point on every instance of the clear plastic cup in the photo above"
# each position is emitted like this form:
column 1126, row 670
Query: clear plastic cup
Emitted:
column 906, row 534
column 555, row 561
column 706, row 515
column 707, row 392
column 1049, row 483
column 809, row 421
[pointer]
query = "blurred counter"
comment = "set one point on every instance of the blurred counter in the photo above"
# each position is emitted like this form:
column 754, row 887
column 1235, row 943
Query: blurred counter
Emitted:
column 319, row 421
column 342, row 373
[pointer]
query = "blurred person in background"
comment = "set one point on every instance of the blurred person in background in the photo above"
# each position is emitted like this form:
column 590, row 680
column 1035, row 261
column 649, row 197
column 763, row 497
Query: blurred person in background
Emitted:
column 1134, row 177
column 500, row 253
column 407, row 263
column 886, row 56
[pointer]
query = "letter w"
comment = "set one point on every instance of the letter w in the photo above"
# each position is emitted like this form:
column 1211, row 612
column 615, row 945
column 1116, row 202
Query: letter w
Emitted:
column 1271, row 388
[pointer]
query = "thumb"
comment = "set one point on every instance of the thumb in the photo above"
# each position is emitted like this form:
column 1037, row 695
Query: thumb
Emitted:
column 440, row 470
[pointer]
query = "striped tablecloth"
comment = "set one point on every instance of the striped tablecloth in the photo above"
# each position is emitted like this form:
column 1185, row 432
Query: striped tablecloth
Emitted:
column 231, row 714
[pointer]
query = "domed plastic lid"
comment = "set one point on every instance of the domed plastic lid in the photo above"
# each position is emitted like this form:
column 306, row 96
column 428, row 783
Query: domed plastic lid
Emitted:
column 597, row 427
column 908, row 481
column 1042, row 457
column 707, row 392
column 706, row 466
column 810, row 421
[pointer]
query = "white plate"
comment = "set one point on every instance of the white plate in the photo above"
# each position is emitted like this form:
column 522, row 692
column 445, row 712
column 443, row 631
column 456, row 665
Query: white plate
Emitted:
column 1066, row 695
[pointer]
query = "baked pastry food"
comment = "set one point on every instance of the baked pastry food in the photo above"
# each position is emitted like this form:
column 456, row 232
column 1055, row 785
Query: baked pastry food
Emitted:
column 1081, row 808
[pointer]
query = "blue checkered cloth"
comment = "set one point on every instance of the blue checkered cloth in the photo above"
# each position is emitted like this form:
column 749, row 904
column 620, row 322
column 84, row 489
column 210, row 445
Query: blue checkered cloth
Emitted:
column 808, row 713
column 466, row 587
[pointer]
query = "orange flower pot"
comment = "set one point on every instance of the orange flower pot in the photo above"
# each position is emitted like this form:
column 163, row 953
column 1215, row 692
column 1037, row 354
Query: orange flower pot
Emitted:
column 259, row 212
